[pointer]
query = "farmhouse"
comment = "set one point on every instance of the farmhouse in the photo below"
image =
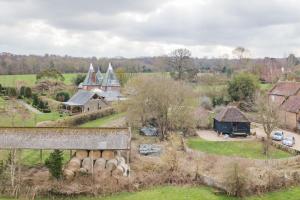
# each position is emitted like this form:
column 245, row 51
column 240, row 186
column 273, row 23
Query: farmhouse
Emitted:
column 282, row 90
column 290, row 112
column 85, row 101
column 231, row 121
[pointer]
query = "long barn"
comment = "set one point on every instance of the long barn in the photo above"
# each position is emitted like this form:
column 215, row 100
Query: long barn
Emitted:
column 65, row 138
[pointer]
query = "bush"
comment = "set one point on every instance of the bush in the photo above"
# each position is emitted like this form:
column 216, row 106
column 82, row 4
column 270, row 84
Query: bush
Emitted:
column 80, row 119
column 54, row 163
column 22, row 91
column 11, row 92
column 35, row 100
column 27, row 92
column 79, row 79
column 62, row 96
column 242, row 87
column 217, row 101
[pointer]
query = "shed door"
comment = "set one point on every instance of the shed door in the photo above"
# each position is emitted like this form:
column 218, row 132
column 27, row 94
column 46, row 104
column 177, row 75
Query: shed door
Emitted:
column 234, row 126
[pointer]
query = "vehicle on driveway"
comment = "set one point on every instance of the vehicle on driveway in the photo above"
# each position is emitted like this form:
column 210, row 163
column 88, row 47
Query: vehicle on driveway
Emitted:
column 288, row 141
column 278, row 136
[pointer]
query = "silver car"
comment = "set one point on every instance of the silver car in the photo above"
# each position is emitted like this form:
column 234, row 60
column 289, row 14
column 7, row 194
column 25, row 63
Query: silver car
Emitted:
column 289, row 141
column 278, row 136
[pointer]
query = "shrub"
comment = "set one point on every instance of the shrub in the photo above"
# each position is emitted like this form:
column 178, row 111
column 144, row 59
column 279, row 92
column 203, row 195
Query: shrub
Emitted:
column 217, row 101
column 11, row 92
column 243, row 87
column 62, row 96
column 35, row 100
column 79, row 79
column 54, row 163
column 22, row 91
column 27, row 92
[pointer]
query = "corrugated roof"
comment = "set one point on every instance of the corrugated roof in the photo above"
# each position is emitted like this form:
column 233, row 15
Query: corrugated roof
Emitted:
column 110, row 78
column 285, row 88
column 80, row 98
column 292, row 104
column 65, row 138
column 231, row 114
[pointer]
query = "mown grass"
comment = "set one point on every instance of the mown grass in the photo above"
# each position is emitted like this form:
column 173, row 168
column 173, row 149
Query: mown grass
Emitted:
column 246, row 149
column 103, row 121
column 29, row 79
column 187, row 193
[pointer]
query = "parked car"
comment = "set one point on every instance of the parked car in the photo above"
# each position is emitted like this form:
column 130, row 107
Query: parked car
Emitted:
column 149, row 131
column 289, row 141
column 278, row 136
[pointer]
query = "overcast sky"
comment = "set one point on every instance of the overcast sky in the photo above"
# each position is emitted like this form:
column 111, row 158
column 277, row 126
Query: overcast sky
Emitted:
column 134, row 28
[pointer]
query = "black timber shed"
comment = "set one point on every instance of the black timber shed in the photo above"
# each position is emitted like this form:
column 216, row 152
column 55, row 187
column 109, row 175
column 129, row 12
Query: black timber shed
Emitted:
column 231, row 121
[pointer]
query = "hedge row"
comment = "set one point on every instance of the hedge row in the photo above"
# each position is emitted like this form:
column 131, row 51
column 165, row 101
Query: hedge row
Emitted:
column 78, row 119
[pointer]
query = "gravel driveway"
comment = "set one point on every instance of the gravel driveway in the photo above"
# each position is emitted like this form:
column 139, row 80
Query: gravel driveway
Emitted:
column 211, row 135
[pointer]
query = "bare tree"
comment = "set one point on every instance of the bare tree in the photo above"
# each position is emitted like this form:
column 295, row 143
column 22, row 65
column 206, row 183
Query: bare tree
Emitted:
column 179, row 60
column 268, row 116
column 161, row 101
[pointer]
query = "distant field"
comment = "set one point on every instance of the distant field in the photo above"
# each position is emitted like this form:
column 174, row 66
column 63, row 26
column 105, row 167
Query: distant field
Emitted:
column 247, row 149
column 29, row 79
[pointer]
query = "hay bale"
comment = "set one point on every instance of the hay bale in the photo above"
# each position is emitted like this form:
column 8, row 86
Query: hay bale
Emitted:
column 87, row 164
column 119, row 171
column 83, row 170
column 99, row 165
column 68, row 174
column 111, row 164
column 95, row 154
column 81, row 154
column 108, row 155
column 121, row 160
column 74, row 164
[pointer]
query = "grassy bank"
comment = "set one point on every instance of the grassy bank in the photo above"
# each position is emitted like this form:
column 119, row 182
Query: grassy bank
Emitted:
column 103, row 121
column 247, row 149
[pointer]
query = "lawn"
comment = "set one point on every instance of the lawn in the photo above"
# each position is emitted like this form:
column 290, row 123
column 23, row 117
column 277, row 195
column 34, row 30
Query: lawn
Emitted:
column 32, row 157
column 247, row 149
column 103, row 121
column 188, row 193
column 29, row 79
column 26, row 119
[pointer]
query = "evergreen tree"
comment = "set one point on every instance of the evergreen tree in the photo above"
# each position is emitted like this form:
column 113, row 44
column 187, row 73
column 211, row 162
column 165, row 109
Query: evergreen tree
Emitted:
column 35, row 100
column 54, row 163
column 22, row 91
column 27, row 92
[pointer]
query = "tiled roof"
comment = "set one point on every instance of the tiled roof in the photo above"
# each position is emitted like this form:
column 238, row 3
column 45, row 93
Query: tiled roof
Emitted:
column 292, row 104
column 231, row 114
column 285, row 88
column 65, row 138
column 80, row 98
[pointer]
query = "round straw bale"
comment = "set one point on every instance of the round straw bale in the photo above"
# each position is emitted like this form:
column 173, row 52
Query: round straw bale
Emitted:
column 119, row 171
column 83, row 170
column 99, row 165
column 74, row 164
column 95, row 154
column 111, row 164
column 68, row 174
column 87, row 164
column 81, row 154
column 106, row 154
column 121, row 160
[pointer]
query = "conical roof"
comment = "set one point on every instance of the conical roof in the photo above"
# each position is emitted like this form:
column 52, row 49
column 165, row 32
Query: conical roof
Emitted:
column 89, row 77
column 110, row 78
column 99, row 77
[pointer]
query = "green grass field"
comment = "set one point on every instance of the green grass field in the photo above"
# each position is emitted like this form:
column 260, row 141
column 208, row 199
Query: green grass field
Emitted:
column 103, row 121
column 187, row 193
column 247, row 149
column 26, row 120
column 32, row 157
column 29, row 79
